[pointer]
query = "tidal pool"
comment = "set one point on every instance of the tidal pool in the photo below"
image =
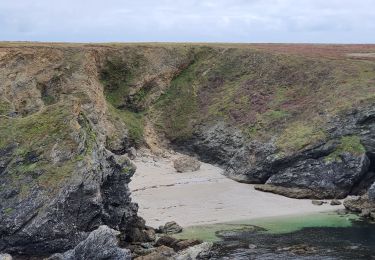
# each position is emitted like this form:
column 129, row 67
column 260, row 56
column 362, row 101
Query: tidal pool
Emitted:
column 271, row 225
column 327, row 235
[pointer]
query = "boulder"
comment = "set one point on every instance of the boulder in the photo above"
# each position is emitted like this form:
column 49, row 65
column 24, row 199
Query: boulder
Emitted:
column 200, row 251
column 335, row 202
column 132, row 153
column 183, row 244
column 160, row 253
column 101, row 244
column 5, row 257
column 317, row 202
column 170, row 228
column 167, row 241
column 186, row 164
column 177, row 244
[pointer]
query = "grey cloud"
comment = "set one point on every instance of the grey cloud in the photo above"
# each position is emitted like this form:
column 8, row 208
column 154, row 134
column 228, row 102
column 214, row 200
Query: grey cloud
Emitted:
column 177, row 20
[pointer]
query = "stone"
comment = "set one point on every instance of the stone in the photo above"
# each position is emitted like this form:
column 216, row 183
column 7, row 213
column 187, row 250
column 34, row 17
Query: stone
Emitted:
column 186, row 243
column 371, row 193
column 167, row 241
column 101, row 244
column 5, row 257
column 132, row 153
column 160, row 253
column 300, row 249
column 186, row 164
column 171, row 228
column 200, row 251
column 317, row 202
column 365, row 213
column 335, row 202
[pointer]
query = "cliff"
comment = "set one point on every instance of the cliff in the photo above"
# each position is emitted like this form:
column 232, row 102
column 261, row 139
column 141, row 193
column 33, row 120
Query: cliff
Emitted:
column 298, row 118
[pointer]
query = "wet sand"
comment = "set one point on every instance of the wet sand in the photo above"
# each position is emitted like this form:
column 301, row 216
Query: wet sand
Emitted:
column 204, row 196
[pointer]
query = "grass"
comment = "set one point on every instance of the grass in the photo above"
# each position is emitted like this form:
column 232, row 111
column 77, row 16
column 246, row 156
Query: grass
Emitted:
column 133, row 121
column 348, row 144
column 265, row 94
column 179, row 105
column 37, row 134
column 5, row 107
column 297, row 136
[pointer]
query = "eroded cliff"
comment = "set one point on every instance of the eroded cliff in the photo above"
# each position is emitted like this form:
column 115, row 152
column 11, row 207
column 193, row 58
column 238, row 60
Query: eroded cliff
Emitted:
column 297, row 118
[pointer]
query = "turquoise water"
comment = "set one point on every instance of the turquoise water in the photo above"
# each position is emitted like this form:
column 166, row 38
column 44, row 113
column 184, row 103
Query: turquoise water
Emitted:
column 326, row 235
column 271, row 225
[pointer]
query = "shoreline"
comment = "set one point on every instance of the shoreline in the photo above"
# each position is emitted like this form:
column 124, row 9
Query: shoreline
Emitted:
column 206, row 196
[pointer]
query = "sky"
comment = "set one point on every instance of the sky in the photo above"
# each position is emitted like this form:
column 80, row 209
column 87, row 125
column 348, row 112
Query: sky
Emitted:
column 281, row 21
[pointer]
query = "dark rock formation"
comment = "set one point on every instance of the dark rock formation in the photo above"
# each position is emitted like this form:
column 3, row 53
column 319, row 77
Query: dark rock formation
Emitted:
column 335, row 202
column 97, row 195
column 160, row 253
column 328, row 169
column 324, row 179
column 170, row 228
column 371, row 193
column 101, row 244
column 177, row 244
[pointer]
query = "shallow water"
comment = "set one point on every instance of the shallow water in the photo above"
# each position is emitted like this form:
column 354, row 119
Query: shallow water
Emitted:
column 315, row 236
column 272, row 225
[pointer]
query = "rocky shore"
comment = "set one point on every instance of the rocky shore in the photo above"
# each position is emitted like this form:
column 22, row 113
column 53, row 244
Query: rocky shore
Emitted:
column 73, row 115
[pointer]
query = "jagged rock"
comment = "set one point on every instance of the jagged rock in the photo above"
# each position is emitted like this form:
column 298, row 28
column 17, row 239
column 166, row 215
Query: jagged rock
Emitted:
column 5, row 257
column 132, row 153
column 101, row 244
column 177, row 244
column 300, row 249
column 360, row 204
column 200, row 251
column 139, row 232
column 160, row 253
column 371, row 193
column 306, row 173
column 333, row 179
column 186, row 164
column 96, row 194
column 365, row 213
column 167, row 241
column 170, row 228
column 183, row 244
column 335, row 202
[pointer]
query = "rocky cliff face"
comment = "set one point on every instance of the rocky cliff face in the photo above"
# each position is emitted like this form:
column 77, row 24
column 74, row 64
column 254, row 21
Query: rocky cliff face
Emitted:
column 300, row 123
column 58, row 179
column 340, row 165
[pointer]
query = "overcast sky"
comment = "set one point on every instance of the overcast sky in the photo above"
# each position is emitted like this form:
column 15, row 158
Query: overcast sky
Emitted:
column 324, row 21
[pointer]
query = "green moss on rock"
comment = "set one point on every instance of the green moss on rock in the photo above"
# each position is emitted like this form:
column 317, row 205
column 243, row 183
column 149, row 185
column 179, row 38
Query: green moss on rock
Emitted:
column 348, row 144
column 299, row 135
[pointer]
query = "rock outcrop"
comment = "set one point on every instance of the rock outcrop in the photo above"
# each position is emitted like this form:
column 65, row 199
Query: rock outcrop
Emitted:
column 44, row 223
column 333, row 168
column 101, row 244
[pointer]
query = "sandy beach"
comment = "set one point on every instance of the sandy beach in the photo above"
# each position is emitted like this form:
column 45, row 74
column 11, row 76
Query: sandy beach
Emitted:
column 204, row 196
